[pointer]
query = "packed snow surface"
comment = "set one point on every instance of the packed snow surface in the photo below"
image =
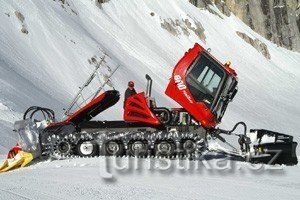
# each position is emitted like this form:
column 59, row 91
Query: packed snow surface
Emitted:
column 85, row 178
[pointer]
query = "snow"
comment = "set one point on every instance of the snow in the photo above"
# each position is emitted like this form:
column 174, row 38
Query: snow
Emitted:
column 46, row 66
column 86, row 179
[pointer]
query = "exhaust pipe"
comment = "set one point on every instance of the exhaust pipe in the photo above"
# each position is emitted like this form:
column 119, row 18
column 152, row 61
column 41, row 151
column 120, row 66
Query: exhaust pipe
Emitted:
column 149, row 86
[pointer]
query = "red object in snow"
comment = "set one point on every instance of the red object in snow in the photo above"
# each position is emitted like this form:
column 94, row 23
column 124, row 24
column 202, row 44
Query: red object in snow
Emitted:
column 14, row 151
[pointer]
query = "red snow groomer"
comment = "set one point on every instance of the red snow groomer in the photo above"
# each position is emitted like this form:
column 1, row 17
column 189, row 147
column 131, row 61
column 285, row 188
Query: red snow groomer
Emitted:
column 200, row 84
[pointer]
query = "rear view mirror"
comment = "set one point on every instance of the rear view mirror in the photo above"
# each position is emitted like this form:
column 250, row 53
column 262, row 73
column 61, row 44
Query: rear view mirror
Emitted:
column 233, row 93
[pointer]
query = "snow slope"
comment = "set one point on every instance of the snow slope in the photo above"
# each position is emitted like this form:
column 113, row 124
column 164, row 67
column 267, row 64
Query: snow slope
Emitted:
column 85, row 179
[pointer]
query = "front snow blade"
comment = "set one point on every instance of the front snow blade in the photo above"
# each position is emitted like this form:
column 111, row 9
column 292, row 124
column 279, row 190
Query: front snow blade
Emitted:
column 280, row 148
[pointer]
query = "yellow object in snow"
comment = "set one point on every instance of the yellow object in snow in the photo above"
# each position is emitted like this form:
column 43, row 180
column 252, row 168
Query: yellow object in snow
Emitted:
column 27, row 158
column 4, row 165
column 20, row 160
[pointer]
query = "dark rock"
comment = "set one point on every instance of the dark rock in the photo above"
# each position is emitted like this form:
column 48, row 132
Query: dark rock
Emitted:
column 24, row 30
column 20, row 16
column 256, row 43
column 185, row 25
column 276, row 20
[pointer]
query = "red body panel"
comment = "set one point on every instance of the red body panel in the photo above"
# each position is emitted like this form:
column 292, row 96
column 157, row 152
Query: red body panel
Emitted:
column 228, row 69
column 94, row 107
column 231, row 71
column 178, row 91
column 136, row 109
column 88, row 106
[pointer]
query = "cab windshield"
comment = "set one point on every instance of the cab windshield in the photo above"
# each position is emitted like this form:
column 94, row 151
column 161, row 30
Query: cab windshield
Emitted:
column 204, row 80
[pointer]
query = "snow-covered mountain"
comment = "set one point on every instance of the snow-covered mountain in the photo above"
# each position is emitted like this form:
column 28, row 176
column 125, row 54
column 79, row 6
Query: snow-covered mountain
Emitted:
column 45, row 48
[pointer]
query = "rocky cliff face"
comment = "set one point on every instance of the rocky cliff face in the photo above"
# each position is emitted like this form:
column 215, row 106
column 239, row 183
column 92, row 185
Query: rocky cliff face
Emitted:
column 276, row 20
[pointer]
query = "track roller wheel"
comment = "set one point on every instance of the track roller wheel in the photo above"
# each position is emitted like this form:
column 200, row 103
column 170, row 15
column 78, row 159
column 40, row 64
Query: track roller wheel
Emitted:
column 164, row 148
column 113, row 148
column 189, row 146
column 87, row 148
column 138, row 148
column 62, row 148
